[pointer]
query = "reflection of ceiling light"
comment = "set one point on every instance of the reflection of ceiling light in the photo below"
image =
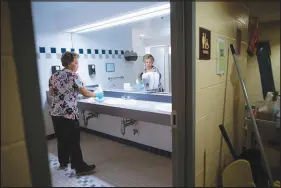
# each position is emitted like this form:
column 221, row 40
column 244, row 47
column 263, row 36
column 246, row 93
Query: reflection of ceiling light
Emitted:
column 127, row 18
column 142, row 35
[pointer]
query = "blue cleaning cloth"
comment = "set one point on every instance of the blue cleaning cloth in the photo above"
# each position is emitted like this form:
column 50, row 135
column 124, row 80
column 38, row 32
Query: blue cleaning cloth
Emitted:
column 100, row 95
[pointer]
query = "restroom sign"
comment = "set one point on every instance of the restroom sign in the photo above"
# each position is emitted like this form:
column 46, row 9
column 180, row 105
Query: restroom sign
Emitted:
column 204, row 44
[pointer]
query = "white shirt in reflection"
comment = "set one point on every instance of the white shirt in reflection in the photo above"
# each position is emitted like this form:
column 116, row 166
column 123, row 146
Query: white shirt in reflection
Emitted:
column 152, row 81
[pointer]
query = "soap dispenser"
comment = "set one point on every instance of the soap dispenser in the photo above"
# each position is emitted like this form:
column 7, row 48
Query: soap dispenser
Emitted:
column 139, row 85
column 55, row 69
column 92, row 69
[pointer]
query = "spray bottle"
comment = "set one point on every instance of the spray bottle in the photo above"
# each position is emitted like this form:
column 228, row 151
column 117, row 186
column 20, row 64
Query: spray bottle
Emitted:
column 99, row 94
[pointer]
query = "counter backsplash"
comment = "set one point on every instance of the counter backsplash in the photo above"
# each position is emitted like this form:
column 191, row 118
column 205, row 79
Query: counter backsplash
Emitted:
column 155, row 97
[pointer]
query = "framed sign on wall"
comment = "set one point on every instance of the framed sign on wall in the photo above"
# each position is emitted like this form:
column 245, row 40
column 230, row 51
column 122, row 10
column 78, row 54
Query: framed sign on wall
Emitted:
column 221, row 65
column 204, row 44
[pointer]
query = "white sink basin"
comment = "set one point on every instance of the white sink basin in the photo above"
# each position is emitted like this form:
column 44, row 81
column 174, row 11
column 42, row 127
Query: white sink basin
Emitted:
column 120, row 102
column 164, row 108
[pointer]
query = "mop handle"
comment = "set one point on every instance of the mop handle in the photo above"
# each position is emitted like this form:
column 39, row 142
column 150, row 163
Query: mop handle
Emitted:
column 252, row 115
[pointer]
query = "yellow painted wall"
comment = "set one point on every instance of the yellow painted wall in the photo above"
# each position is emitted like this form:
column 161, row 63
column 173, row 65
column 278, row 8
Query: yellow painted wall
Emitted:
column 14, row 160
column 267, row 31
column 222, row 19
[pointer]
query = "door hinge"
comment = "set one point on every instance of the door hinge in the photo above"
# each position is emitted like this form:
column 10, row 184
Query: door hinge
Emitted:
column 174, row 119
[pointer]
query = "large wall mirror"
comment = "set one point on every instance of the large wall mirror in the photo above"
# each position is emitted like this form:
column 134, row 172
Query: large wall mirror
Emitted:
column 121, row 53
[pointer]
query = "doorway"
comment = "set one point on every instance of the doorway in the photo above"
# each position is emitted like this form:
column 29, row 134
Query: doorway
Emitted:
column 183, row 79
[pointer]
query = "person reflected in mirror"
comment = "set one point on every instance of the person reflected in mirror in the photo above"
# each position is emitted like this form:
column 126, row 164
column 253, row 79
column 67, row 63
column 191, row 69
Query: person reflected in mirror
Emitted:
column 148, row 60
column 64, row 86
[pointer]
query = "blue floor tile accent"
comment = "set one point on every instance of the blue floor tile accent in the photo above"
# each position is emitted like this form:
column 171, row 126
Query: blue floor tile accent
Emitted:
column 67, row 177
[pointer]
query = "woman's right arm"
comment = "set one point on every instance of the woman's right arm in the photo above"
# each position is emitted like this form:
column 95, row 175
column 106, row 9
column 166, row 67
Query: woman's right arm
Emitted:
column 86, row 93
column 78, row 84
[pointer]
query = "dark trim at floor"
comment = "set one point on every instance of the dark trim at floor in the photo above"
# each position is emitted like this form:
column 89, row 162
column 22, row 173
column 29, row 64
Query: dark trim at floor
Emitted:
column 128, row 142
column 51, row 137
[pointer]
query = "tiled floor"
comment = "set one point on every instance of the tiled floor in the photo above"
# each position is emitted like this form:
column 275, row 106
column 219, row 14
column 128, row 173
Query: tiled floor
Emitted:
column 117, row 165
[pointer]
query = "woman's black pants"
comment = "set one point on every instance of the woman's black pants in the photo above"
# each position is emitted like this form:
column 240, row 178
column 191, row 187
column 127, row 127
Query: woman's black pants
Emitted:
column 68, row 141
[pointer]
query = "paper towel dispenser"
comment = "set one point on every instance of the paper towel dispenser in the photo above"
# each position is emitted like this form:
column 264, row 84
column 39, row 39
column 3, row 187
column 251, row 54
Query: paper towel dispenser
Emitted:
column 55, row 69
column 92, row 69
column 130, row 56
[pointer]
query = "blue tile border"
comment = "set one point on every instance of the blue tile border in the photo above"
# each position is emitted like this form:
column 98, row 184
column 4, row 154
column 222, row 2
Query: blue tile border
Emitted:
column 53, row 50
column 88, row 51
column 42, row 50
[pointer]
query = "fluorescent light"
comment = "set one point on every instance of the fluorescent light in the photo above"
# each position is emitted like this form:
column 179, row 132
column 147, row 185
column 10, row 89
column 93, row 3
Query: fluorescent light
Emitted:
column 128, row 18
column 142, row 35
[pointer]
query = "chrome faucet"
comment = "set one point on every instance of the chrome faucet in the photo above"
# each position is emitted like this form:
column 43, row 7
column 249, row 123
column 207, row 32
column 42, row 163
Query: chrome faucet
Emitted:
column 112, row 86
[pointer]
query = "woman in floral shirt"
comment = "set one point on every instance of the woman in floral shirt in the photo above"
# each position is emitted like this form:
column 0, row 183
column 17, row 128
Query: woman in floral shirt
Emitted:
column 64, row 86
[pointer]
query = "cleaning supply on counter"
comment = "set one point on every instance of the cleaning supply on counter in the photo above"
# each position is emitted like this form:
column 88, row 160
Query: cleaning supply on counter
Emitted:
column 127, row 87
column 142, row 88
column 137, row 85
column 99, row 94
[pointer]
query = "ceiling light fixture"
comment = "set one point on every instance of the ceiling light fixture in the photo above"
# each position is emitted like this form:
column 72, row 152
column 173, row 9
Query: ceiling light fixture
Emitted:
column 124, row 19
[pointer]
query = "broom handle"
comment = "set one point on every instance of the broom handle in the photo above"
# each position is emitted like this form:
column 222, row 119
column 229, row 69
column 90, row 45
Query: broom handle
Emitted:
column 252, row 115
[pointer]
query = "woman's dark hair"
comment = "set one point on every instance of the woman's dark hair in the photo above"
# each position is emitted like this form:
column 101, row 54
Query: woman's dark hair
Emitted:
column 67, row 58
column 148, row 56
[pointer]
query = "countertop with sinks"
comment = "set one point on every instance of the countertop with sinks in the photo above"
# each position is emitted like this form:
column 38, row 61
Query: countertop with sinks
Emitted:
column 140, row 110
